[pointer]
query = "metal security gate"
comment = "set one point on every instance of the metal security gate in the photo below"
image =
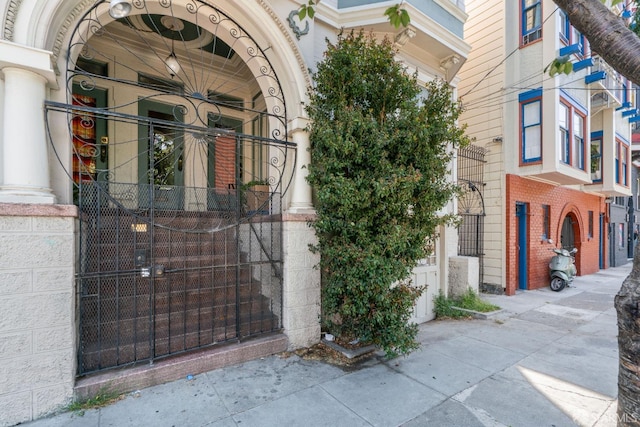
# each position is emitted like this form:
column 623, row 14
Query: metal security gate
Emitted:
column 471, row 204
column 178, row 164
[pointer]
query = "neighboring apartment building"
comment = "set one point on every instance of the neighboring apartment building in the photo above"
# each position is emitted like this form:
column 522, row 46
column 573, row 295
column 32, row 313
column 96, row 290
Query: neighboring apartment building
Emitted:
column 558, row 148
column 153, row 198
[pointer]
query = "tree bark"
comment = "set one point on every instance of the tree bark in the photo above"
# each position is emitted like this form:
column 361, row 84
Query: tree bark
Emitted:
column 607, row 33
column 610, row 38
column 627, row 303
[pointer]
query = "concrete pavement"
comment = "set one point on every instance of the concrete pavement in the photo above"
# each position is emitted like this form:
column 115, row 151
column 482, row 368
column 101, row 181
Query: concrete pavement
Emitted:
column 548, row 359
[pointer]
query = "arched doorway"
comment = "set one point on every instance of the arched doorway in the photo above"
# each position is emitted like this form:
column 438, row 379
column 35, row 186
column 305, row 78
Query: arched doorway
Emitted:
column 567, row 234
column 570, row 235
column 179, row 162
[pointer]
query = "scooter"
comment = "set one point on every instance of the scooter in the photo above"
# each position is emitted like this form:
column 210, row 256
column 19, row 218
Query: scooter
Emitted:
column 562, row 268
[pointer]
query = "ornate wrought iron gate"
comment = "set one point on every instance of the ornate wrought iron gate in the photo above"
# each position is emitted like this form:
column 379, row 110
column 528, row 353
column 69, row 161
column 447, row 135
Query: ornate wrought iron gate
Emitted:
column 471, row 203
column 178, row 172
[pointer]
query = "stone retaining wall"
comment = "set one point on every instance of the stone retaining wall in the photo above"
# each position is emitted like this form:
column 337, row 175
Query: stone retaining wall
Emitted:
column 37, row 310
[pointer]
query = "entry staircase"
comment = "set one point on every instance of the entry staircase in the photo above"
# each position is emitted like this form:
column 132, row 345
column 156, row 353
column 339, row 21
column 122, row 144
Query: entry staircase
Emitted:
column 152, row 291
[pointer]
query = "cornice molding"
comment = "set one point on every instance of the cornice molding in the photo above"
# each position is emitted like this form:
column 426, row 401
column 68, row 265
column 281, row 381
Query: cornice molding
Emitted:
column 287, row 35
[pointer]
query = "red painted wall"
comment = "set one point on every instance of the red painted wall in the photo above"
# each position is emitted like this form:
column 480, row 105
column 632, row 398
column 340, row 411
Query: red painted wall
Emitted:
column 562, row 201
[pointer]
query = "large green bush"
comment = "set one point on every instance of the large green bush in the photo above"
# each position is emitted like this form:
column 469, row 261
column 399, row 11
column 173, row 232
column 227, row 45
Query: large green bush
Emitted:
column 381, row 147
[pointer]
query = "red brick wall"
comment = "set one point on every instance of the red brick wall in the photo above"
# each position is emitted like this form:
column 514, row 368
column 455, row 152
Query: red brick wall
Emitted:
column 562, row 201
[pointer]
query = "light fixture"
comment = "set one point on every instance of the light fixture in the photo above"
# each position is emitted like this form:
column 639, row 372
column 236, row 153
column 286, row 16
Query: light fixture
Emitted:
column 119, row 8
column 171, row 64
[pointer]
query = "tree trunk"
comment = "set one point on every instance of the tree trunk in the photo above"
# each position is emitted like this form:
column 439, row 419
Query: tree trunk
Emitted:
column 610, row 38
column 627, row 304
column 607, row 33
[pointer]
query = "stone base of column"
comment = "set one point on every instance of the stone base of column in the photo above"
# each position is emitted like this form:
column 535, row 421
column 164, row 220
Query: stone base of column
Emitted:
column 301, row 210
column 26, row 195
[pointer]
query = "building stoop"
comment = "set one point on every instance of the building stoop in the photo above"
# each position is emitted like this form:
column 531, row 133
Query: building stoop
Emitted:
column 170, row 369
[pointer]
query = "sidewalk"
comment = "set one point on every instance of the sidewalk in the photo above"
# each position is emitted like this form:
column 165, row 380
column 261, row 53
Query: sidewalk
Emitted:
column 548, row 359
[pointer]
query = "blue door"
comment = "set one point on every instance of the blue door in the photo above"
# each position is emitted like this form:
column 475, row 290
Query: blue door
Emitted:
column 521, row 216
column 601, row 240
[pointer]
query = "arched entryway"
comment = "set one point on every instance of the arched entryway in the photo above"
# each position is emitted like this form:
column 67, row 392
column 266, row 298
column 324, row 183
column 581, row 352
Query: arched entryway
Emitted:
column 180, row 160
column 570, row 234
column 567, row 233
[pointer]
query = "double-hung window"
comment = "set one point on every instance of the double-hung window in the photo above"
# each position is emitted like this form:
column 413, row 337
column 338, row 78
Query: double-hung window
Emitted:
column 531, row 126
column 596, row 156
column 578, row 140
column 571, row 127
column 624, row 159
column 563, row 136
column 569, row 35
column 617, row 161
column 531, row 21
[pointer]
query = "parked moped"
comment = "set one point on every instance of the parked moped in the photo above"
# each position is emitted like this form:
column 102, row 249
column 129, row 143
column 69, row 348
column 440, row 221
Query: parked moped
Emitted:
column 562, row 268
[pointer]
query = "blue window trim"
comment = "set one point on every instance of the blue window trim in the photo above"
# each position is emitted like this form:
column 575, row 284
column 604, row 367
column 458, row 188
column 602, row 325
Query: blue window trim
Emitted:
column 596, row 136
column 566, row 147
column 580, row 163
column 523, row 21
column 577, row 160
column 617, row 161
column 574, row 102
column 526, row 99
column 525, row 96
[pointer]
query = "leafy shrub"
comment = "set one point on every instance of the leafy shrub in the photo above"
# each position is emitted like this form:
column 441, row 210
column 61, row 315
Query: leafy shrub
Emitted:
column 381, row 147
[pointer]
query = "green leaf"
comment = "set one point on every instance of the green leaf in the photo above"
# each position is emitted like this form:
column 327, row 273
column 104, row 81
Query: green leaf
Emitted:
column 404, row 18
column 393, row 10
column 568, row 67
column 311, row 11
column 303, row 12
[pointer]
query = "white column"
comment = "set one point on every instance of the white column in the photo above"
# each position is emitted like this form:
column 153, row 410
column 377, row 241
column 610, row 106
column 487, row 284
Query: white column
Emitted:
column 301, row 201
column 24, row 143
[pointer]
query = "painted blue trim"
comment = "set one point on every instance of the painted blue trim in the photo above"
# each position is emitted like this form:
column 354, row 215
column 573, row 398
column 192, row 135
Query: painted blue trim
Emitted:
column 574, row 102
column 635, row 119
column 600, row 239
column 523, row 16
column 525, row 96
column 522, row 104
column 629, row 113
column 429, row 7
column 597, row 134
column 594, row 77
column 521, row 215
column 580, row 65
column 622, row 139
column 570, row 50
column 624, row 105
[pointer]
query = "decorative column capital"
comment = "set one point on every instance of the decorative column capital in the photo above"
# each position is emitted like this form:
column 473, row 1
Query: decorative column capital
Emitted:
column 37, row 61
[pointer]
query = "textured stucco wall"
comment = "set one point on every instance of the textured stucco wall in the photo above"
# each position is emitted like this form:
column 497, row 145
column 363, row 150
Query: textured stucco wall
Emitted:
column 301, row 293
column 37, row 312
column 464, row 273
